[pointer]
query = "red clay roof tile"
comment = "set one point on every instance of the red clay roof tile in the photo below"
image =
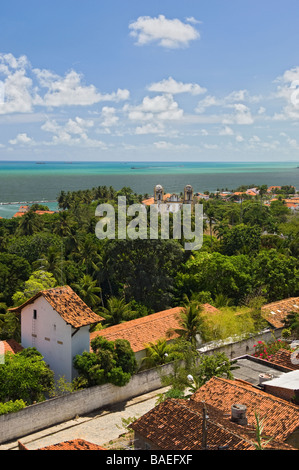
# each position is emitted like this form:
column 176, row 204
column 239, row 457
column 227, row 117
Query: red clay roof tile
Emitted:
column 281, row 417
column 177, row 424
column 75, row 444
column 10, row 345
column 276, row 312
column 283, row 358
column 147, row 329
column 67, row 304
column 142, row 330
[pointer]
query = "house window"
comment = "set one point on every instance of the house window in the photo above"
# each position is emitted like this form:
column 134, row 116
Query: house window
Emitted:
column 34, row 314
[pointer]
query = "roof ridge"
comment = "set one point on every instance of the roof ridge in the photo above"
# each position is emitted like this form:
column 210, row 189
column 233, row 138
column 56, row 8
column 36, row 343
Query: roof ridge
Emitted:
column 150, row 317
column 67, row 303
column 145, row 319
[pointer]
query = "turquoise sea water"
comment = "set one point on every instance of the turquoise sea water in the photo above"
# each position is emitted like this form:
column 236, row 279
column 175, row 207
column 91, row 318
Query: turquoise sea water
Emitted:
column 36, row 181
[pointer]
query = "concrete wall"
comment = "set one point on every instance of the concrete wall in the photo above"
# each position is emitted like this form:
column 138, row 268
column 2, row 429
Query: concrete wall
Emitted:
column 235, row 347
column 57, row 410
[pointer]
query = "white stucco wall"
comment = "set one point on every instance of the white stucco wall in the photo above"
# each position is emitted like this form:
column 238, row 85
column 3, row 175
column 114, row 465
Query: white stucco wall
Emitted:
column 52, row 337
column 80, row 343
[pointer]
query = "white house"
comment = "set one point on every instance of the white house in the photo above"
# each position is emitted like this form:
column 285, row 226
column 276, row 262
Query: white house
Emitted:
column 57, row 322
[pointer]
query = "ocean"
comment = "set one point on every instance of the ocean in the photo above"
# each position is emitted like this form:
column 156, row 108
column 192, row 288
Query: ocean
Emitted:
column 42, row 181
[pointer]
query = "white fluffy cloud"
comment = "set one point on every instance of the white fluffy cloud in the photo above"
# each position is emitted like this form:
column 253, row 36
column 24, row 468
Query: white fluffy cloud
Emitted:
column 207, row 102
column 70, row 91
column 233, row 97
column 17, row 93
column 150, row 128
column 8, row 62
column 288, row 90
column 109, row 116
column 242, row 115
column 23, row 88
column 72, row 133
column 161, row 107
column 168, row 33
column 226, row 131
column 164, row 145
column 173, row 87
column 235, row 101
column 22, row 139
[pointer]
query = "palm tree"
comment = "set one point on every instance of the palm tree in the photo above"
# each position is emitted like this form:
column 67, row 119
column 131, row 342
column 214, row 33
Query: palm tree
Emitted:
column 156, row 354
column 64, row 224
column 233, row 213
column 210, row 213
column 262, row 192
column 29, row 224
column 191, row 323
column 220, row 229
column 117, row 311
column 88, row 291
column 53, row 262
column 88, row 255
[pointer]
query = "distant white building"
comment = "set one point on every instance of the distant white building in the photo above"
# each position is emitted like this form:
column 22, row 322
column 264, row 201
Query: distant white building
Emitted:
column 57, row 322
column 171, row 202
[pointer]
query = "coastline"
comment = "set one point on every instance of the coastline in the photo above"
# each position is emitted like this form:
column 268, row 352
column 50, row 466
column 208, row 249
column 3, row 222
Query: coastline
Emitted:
column 29, row 182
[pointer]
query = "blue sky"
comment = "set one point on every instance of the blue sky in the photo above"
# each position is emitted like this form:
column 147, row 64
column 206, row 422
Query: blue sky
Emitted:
column 149, row 80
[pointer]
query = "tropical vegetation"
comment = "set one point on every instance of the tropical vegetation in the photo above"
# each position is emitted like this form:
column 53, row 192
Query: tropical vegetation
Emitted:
column 249, row 257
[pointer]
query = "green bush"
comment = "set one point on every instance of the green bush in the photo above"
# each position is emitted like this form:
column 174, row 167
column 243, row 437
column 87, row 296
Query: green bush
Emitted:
column 11, row 406
column 110, row 362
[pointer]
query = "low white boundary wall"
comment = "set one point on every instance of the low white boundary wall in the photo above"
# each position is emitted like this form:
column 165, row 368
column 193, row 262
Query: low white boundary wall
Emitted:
column 58, row 410
column 235, row 347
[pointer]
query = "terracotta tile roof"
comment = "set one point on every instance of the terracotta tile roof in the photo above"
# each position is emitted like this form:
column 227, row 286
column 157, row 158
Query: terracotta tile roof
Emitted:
column 22, row 210
column 10, row 345
column 210, row 309
column 19, row 214
column 151, row 200
column 142, row 330
column 283, row 358
column 281, row 417
column 75, row 444
column 178, row 425
column 167, row 196
column 276, row 312
column 147, row 329
column 44, row 212
column 67, row 304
